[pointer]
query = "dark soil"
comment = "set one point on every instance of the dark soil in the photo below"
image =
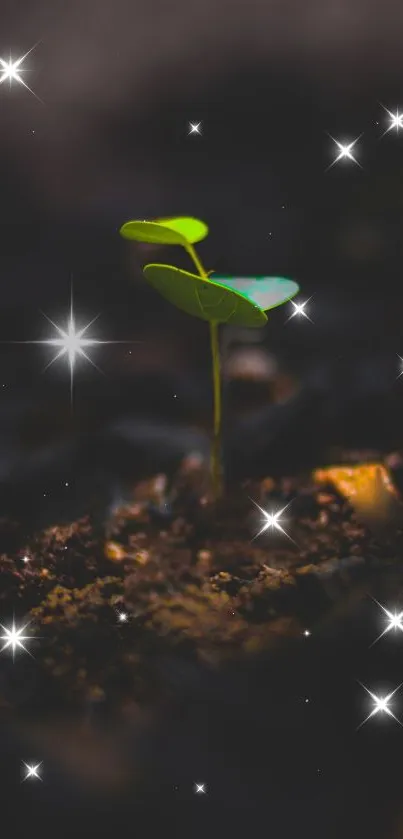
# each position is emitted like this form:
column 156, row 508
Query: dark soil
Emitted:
column 226, row 637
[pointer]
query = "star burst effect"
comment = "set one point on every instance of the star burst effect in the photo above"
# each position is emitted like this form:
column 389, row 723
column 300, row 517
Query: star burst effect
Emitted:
column 345, row 151
column 395, row 621
column 299, row 309
column 10, row 70
column 72, row 343
column 381, row 705
column 272, row 521
column 200, row 788
column 194, row 128
column 396, row 121
column 14, row 639
column 32, row 771
column 401, row 361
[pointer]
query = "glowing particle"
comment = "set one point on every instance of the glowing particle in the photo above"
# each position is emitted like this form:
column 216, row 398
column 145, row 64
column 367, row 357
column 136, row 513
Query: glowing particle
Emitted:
column 71, row 343
column 395, row 621
column 345, row 152
column 381, row 705
column 32, row 771
column 194, row 128
column 396, row 121
column 299, row 309
column 11, row 70
column 13, row 638
column 200, row 788
column 272, row 521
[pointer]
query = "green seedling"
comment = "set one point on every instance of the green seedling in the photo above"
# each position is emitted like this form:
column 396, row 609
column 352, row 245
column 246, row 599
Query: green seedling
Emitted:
column 234, row 301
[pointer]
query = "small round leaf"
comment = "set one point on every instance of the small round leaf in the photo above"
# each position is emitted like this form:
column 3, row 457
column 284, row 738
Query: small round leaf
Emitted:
column 192, row 229
column 203, row 298
column 151, row 232
column 266, row 292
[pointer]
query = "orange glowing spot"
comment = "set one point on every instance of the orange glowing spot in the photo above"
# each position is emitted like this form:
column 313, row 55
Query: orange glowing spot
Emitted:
column 362, row 483
column 114, row 552
column 368, row 487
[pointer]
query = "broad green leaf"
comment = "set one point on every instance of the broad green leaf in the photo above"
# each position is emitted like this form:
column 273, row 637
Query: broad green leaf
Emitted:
column 151, row 232
column 192, row 229
column 204, row 298
column 181, row 230
column 266, row 292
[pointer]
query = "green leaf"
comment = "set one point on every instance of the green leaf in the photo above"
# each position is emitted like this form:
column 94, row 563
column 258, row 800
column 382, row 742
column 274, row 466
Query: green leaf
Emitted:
column 266, row 292
column 192, row 229
column 182, row 230
column 204, row 298
column 151, row 232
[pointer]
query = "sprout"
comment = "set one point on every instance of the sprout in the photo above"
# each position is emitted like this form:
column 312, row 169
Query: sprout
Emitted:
column 234, row 301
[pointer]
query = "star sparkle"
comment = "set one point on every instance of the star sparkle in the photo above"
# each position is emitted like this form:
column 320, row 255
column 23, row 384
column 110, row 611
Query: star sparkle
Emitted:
column 396, row 121
column 122, row 617
column 345, row 151
column 200, row 788
column 395, row 621
column 14, row 639
column 32, row 771
column 401, row 372
column 11, row 70
column 272, row 521
column 299, row 309
column 72, row 343
column 194, row 128
column 381, row 705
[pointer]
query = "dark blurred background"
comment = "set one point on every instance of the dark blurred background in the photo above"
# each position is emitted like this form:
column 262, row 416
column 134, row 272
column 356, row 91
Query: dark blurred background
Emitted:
column 269, row 83
column 120, row 81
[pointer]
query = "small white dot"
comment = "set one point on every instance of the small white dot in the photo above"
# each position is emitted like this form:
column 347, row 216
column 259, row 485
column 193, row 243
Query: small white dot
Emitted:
column 175, row 397
column 306, row 700
column 66, row 484
column 25, row 559
column 200, row 788
column 307, row 633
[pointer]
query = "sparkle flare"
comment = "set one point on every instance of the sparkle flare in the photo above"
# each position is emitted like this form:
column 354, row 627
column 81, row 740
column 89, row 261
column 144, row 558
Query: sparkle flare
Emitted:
column 11, row 70
column 71, row 343
column 299, row 309
column 13, row 638
column 200, row 788
column 272, row 521
column 395, row 621
column 345, row 152
column 396, row 121
column 381, row 705
column 32, row 771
